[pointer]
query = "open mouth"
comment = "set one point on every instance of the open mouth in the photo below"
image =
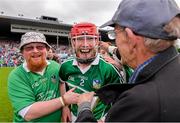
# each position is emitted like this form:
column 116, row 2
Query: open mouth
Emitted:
column 85, row 50
column 36, row 56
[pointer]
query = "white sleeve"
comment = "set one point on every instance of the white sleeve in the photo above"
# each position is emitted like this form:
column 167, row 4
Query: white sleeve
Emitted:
column 24, row 111
column 111, row 49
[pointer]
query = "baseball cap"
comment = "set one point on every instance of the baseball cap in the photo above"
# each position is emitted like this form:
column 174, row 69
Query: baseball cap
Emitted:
column 145, row 17
column 33, row 37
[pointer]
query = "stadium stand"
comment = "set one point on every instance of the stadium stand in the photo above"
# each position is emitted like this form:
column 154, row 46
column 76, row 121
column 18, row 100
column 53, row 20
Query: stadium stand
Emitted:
column 12, row 28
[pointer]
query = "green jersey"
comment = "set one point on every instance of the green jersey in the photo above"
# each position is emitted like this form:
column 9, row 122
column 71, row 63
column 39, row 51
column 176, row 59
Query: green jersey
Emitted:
column 26, row 88
column 100, row 73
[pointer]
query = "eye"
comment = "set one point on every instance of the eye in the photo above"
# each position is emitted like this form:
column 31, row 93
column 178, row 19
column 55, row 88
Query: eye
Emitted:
column 90, row 38
column 80, row 38
column 40, row 47
column 28, row 48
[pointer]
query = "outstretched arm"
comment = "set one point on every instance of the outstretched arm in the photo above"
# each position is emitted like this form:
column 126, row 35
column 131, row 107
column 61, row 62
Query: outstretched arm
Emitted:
column 42, row 108
column 84, row 108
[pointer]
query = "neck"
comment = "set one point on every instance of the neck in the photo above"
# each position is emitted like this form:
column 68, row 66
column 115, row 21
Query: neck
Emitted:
column 83, row 65
column 144, row 57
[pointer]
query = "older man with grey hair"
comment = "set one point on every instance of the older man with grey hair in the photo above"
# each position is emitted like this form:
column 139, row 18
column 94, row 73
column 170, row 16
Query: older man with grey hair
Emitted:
column 145, row 32
column 33, row 87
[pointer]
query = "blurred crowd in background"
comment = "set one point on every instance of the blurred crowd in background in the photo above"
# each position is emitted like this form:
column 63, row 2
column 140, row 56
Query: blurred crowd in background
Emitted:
column 11, row 57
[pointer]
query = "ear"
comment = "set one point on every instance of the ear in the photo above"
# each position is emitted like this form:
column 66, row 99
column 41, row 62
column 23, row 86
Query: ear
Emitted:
column 131, row 36
column 134, row 38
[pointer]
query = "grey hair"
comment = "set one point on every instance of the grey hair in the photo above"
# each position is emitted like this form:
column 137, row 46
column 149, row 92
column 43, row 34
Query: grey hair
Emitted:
column 158, row 45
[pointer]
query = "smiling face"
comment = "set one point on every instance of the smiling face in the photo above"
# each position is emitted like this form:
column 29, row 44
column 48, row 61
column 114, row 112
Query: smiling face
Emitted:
column 35, row 56
column 85, row 46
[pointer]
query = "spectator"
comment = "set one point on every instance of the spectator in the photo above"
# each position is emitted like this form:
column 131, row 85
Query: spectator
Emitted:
column 33, row 87
column 9, row 53
column 115, row 59
column 112, row 50
column 53, row 56
column 145, row 33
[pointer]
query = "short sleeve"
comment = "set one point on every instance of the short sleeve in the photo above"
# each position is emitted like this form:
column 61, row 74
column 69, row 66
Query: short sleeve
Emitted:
column 20, row 92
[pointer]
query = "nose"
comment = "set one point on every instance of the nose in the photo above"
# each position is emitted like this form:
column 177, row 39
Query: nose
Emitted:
column 85, row 42
column 85, row 45
column 82, row 43
column 35, row 49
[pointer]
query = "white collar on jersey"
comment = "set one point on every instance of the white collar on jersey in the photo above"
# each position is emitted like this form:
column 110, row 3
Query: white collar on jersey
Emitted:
column 95, row 62
column 27, row 70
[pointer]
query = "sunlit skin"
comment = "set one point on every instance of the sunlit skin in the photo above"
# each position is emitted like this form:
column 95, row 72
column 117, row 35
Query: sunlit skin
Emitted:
column 85, row 48
column 35, row 56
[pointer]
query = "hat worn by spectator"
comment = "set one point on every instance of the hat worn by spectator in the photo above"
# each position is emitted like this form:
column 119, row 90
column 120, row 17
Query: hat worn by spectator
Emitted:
column 146, row 17
column 33, row 37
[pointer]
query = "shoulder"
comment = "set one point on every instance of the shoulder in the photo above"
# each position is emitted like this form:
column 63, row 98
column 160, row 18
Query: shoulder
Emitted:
column 106, row 65
column 17, row 76
column 16, row 71
column 53, row 64
column 67, row 62
column 66, row 66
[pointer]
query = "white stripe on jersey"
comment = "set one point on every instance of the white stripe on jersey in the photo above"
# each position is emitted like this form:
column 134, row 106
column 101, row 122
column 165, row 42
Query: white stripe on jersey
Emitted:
column 71, row 85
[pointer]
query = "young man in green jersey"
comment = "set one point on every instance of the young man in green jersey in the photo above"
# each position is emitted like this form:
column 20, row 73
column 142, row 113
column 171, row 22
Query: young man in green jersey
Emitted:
column 87, row 71
column 33, row 87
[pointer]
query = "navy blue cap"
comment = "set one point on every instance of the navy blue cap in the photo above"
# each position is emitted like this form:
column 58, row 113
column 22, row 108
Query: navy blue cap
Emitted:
column 145, row 17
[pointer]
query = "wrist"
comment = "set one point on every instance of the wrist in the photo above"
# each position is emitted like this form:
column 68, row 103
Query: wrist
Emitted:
column 84, row 106
column 65, row 103
column 62, row 101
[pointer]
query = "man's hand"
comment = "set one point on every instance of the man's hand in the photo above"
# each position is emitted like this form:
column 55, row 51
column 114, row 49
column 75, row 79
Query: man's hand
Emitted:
column 70, row 97
column 66, row 114
column 86, row 97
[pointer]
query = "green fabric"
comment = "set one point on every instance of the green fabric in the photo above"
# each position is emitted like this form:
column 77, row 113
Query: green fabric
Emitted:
column 26, row 88
column 128, row 72
column 96, row 77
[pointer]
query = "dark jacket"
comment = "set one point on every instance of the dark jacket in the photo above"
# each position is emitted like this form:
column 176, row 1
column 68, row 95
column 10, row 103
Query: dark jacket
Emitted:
column 154, row 97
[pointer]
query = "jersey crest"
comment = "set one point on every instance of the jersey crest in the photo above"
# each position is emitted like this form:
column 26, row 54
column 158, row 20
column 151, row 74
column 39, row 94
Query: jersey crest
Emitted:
column 53, row 78
column 96, row 84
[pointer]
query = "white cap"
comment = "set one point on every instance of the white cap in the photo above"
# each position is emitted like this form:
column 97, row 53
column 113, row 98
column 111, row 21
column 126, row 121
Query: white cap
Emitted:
column 33, row 37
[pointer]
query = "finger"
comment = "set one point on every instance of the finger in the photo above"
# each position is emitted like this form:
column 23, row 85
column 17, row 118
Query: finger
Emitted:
column 70, row 119
column 92, row 93
column 71, row 90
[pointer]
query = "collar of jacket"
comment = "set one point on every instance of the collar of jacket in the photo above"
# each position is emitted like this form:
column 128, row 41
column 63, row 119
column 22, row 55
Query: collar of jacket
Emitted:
column 156, row 65
column 109, row 93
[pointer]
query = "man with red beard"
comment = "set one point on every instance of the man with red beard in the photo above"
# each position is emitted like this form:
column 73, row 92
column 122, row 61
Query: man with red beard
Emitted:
column 87, row 71
column 34, row 86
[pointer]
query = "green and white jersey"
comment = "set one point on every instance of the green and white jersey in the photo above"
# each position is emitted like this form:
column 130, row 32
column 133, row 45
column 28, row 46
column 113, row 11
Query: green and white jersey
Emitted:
column 26, row 88
column 98, row 74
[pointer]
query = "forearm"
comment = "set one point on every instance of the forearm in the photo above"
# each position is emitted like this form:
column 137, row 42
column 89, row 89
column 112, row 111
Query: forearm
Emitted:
column 62, row 88
column 85, row 113
column 39, row 109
